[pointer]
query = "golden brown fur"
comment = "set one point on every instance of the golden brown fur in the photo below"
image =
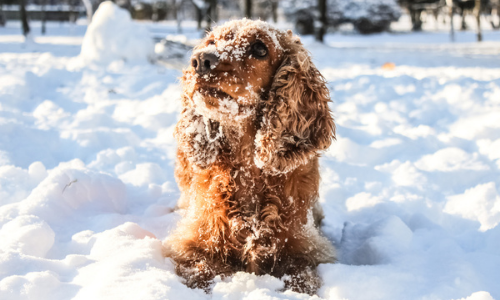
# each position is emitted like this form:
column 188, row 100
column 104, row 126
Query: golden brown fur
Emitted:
column 249, row 137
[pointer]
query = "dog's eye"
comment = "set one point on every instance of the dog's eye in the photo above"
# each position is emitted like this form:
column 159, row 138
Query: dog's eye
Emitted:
column 259, row 50
column 211, row 42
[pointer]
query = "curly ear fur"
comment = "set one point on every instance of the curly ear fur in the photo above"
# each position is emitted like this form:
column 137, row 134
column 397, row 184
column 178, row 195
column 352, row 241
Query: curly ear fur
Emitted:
column 296, row 120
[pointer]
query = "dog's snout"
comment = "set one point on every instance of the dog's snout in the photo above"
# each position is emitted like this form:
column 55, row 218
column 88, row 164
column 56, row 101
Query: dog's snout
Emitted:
column 204, row 62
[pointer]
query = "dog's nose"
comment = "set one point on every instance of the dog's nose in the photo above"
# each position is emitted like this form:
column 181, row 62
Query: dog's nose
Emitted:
column 204, row 62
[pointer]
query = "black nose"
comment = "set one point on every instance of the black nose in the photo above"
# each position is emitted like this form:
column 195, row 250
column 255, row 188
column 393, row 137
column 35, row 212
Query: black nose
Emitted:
column 204, row 62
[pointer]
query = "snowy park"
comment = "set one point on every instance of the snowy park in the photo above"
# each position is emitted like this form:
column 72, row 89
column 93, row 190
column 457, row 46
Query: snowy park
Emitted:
column 410, row 188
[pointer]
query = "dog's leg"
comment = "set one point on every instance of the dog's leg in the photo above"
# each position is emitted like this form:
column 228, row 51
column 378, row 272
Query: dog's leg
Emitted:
column 199, row 245
column 183, row 176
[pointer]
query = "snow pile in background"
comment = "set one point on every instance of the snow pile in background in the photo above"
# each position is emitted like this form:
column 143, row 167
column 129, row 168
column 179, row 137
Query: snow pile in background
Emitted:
column 112, row 35
column 410, row 189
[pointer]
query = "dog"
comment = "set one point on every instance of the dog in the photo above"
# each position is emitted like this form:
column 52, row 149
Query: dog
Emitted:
column 255, row 120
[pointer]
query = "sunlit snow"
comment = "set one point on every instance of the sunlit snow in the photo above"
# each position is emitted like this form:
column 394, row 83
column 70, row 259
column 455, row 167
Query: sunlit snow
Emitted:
column 410, row 189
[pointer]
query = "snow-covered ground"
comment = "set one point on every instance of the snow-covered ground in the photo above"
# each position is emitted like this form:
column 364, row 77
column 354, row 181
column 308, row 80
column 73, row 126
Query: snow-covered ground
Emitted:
column 411, row 188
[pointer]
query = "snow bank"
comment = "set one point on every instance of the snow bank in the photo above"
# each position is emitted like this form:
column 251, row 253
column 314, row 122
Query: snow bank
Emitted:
column 28, row 235
column 410, row 190
column 480, row 203
column 112, row 35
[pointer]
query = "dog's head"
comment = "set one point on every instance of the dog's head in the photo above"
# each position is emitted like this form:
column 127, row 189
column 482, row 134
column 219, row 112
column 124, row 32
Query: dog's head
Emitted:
column 247, row 70
column 232, row 68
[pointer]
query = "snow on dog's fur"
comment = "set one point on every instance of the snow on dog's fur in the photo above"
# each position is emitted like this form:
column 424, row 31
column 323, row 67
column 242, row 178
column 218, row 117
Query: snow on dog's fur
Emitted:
column 255, row 119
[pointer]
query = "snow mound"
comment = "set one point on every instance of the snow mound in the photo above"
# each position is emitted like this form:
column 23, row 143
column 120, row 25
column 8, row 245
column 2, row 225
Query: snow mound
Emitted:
column 377, row 243
column 479, row 296
column 480, row 203
column 126, row 263
column 27, row 234
column 113, row 35
column 450, row 159
column 410, row 190
column 247, row 286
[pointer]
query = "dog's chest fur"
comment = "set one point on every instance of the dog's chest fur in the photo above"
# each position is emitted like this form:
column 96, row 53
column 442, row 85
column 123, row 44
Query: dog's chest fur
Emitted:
column 255, row 211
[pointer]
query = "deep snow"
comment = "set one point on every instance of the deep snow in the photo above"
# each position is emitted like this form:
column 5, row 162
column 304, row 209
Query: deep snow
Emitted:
column 411, row 188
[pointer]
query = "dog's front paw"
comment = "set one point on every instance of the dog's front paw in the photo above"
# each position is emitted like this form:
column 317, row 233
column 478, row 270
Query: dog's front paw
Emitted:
column 197, row 275
column 305, row 280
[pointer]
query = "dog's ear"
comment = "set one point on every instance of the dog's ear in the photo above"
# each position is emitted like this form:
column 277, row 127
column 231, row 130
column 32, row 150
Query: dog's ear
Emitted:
column 296, row 120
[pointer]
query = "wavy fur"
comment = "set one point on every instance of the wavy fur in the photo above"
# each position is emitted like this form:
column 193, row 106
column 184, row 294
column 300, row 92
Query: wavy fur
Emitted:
column 250, row 184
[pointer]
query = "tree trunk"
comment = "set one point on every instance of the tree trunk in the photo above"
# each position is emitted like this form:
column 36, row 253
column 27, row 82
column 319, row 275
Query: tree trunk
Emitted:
column 2, row 16
column 24, row 18
column 477, row 12
column 178, row 18
column 274, row 10
column 320, row 32
column 88, row 9
column 73, row 14
column 199, row 14
column 449, row 3
column 416, row 20
column 44, row 17
column 495, row 12
column 211, row 14
column 248, row 9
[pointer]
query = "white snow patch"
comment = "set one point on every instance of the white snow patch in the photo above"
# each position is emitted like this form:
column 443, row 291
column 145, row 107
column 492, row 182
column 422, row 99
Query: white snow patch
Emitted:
column 378, row 243
column 403, row 174
column 49, row 114
column 421, row 131
column 450, row 159
column 489, row 148
column 247, row 286
column 362, row 200
column 476, row 126
column 69, row 131
column 479, row 296
column 68, row 194
column 144, row 174
column 385, row 143
column 480, row 203
column 43, row 285
column 112, row 35
column 28, row 235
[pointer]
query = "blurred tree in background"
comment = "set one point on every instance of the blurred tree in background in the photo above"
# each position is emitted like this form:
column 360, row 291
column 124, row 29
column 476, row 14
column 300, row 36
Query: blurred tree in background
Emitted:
column 320, row 32
column 24, row 18
column 248, row 8
column 308, row 16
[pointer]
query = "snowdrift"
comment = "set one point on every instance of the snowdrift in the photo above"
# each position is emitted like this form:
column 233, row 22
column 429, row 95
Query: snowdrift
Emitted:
column 410, row 189
column 112, row 35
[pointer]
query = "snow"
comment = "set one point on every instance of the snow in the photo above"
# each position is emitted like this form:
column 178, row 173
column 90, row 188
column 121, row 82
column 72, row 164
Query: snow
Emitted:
column 410, row 189
column 480, row 203
column 112, row 35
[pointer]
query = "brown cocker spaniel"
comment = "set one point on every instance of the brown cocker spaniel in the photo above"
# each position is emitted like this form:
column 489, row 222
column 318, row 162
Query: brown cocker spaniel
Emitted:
column 255, row 119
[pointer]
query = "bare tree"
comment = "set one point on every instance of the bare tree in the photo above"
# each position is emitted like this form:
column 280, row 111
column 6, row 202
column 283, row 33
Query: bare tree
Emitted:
column 199, row 16
column 89, row 9
column 451, row 8
column 477, row 12
column 211, row 14
column 24, row 18
column 320, row 32
column 495, row 11
column 248, row 8
column 44, row 16
column 180, row 7
column 274, row 10
column 2, row 16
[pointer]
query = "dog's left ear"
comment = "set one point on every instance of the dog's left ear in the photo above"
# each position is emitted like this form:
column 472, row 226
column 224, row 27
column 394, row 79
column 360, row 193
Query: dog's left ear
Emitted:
column 296, row 120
